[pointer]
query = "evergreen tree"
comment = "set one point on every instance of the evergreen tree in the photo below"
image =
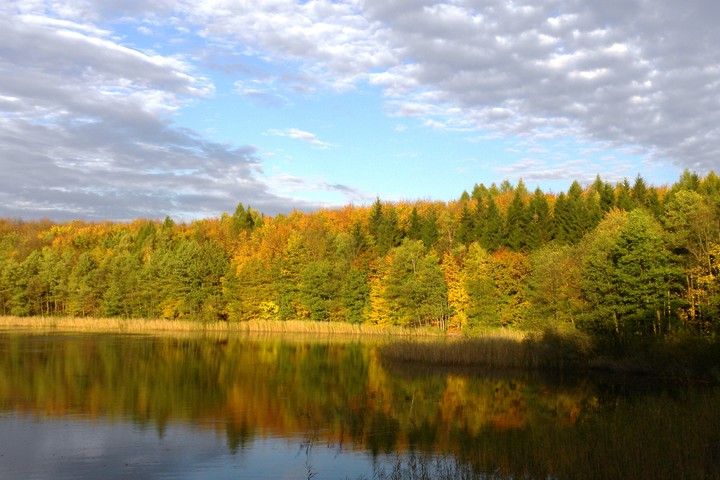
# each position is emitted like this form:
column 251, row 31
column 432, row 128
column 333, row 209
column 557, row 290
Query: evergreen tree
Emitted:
column 242, row 220
column 430, row 232
column 604, row 193
column 688, row 181
column 492, row 229
column 479, row 218
column 479, row 192
column 571, row 215
column 540, row 225
column 384, row 227
column 624, row 200
column 561, row 219
column 516, row 222
column 639, row 192
column 389, row 233
column 594, row 210
column 465, row 233
column 375, row 219
column 414, row 230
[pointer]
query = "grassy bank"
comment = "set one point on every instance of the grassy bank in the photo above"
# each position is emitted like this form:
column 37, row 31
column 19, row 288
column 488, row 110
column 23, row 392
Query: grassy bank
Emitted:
column 140, row 325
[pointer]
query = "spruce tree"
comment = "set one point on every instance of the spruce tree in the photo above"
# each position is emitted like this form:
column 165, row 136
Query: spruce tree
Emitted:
column 492, row 229
column 516, row 223
column 624, row 201
column 540, row 225
column 466, row 226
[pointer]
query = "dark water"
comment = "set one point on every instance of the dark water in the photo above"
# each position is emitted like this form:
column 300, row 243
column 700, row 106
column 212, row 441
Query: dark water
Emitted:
column 122, row 406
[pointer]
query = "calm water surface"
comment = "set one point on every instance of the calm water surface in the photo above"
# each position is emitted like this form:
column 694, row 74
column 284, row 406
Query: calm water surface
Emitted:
column 132, row 406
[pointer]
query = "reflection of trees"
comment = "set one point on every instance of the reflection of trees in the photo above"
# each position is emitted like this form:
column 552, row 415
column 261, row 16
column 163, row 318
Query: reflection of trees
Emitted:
column 253, row 387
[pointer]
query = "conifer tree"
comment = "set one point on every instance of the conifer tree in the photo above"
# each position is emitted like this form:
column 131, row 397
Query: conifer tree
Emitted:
column 606, row 194
column 492, row 229
column 516, row 223
column 571, row 216
column 479, row 192
column 414, row 230
column 624, row 200
column 639, row 192
column 466, row 226
column 540, row 225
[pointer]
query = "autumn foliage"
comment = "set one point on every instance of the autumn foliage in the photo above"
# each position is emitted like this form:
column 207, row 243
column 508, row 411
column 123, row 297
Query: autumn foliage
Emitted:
column 619, row 260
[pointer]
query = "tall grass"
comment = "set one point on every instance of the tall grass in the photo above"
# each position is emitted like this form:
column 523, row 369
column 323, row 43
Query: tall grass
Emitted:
column 143, row 325
column 496, row 349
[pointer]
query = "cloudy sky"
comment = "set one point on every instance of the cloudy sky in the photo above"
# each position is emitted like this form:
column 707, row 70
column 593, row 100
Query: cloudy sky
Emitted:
column 120, row 109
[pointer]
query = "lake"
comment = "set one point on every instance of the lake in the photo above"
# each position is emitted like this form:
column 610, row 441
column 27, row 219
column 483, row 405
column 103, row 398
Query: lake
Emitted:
column 214, row 407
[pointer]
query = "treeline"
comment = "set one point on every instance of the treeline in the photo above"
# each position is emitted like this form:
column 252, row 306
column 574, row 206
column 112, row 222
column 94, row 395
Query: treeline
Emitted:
column 620, row 260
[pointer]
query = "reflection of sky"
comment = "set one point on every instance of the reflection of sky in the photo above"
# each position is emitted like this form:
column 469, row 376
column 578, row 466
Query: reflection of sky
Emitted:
column 72, row 448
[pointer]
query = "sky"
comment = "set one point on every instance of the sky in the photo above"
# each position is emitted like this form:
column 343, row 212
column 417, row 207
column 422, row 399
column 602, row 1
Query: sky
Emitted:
column 125, row 109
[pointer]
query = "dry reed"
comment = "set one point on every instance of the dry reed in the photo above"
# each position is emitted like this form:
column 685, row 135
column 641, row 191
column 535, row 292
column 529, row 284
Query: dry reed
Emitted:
column 503, row 348
column 495, row 349
column 143, row 325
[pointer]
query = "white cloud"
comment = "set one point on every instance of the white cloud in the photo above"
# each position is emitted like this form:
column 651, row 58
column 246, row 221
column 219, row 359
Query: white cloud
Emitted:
column 301, row 135
column 82, row 98
column 628, row 76
column 89, row 132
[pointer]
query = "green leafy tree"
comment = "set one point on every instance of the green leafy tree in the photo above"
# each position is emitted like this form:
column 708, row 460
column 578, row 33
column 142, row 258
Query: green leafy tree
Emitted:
column 495, row 285
column 318, row 289
column 83, row 291
column 356, row 295
column 693, row 224
column 415, row 286
column 193, row 281
column 554, row 287
column 484, row 306
column 627, row 276
column 120, row 298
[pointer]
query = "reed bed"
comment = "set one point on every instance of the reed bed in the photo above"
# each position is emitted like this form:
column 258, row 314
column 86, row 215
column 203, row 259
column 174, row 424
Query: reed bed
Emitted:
column 495, row 349
column 500, row 349
column 144, row 325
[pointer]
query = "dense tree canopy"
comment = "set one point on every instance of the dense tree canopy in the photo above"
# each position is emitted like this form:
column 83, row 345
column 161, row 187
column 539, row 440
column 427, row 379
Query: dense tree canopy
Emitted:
column 620, row 260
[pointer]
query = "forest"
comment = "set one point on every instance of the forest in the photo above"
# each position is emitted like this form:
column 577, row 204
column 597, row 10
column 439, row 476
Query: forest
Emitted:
column 619, row 261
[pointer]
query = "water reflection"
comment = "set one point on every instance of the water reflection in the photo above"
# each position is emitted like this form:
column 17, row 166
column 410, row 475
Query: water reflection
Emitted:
column 282, row 407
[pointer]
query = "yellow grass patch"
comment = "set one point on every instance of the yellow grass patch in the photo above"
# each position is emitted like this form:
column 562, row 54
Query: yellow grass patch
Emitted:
column 143, row 325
